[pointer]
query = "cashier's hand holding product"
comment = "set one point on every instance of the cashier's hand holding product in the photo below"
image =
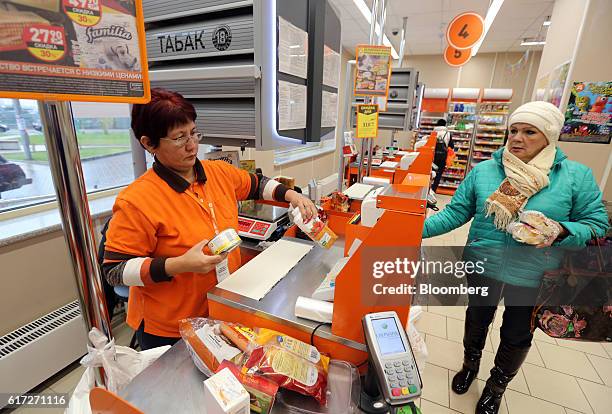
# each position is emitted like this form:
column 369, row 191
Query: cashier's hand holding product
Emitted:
column 307, row 208
column 194, row 260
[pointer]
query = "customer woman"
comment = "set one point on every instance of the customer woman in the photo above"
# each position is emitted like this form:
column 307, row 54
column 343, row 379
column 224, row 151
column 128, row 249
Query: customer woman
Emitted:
column 529, row 173
column 156, row 240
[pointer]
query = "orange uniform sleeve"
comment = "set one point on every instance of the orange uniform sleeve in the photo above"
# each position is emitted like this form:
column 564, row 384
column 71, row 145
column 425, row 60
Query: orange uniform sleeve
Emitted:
column 130, row 241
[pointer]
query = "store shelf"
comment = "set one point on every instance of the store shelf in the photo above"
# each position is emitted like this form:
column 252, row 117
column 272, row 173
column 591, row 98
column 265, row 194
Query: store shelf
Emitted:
column 490, row 135
column 455, row 186
column 491, row 150
column 497, row 143
column 461, row 139
column 445, row 191
column 462, row 113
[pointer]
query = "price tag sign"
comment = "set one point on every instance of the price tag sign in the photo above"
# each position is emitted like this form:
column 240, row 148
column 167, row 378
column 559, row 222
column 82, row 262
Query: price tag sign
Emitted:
column 367, row 121
column 83, row 12
column 372, row 71
column 465, row 30
column 45, row 42
column 74, row 50
column 457, row 57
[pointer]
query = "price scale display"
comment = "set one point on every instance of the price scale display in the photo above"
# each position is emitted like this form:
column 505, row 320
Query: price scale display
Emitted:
column 81, row 50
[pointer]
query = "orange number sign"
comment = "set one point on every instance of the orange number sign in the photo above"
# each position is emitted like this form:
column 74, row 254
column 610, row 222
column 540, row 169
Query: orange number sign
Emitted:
column 457, row 57
column 465, row 30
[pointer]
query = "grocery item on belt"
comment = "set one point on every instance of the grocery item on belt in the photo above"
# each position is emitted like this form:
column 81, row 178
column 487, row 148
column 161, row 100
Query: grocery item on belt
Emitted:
column 110, row 44
column 206, row 344
column 12, row 24
column 301, row 349
column 224, row 242
column 261, row 391
column 224, row 394
column 289, row 371
column 316, row 229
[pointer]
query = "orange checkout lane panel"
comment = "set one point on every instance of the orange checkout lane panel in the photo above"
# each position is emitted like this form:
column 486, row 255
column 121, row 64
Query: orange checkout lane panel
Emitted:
column 400, row 226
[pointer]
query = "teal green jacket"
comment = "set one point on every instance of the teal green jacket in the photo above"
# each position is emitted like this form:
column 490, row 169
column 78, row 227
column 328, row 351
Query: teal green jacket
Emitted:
column 572, row 198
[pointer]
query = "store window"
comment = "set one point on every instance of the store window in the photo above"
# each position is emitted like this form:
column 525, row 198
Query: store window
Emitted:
column 104, row 145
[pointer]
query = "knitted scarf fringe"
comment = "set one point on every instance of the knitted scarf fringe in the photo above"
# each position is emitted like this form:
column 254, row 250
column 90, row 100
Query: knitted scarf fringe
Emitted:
column 502, row 216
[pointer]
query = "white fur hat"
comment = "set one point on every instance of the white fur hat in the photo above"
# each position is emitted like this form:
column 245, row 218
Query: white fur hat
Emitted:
column 543, row 115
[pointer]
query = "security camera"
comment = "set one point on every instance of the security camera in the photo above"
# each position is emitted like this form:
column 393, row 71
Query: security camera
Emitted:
column 395, row 31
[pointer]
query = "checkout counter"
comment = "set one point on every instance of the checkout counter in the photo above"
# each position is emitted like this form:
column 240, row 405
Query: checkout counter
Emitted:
column 174, row 384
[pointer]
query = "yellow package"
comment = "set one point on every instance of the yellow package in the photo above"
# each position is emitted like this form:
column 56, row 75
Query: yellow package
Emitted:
column 295, row 346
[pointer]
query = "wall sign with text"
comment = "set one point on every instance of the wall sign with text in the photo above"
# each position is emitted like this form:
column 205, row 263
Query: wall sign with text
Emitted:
column 367, row 121
column 81, row 50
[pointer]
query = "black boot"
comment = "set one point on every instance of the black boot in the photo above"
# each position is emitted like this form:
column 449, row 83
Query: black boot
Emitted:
column 474, row 339
column 508, row 361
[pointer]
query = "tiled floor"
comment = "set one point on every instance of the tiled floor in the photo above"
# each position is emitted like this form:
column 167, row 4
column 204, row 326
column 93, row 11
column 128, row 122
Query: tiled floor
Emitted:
column 558, row 377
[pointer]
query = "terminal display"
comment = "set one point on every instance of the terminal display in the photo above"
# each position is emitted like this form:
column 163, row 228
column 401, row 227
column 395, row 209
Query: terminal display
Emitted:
column 388, row 336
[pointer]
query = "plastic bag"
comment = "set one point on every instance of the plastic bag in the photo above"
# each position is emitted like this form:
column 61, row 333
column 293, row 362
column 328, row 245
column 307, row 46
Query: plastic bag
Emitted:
column 540, row 222
column 207, row 345
column 289, row 371
column 121, row 364
column 524, row 233
column 418, row 345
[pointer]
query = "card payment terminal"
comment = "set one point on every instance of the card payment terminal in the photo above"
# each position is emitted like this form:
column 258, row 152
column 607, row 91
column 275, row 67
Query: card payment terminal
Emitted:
column 391, row 362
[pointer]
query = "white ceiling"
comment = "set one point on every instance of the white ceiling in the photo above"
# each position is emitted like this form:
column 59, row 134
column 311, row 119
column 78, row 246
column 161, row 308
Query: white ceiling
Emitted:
column 428, row 19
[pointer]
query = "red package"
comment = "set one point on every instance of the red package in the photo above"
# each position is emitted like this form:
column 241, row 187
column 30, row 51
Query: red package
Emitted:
column 289, row 371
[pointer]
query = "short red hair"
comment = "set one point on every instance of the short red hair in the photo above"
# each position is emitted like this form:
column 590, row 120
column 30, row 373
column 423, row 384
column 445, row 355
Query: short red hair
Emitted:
column 166, row 110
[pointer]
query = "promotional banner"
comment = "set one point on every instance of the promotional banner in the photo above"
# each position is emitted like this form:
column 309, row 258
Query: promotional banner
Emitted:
column 82, row 50
column 588, row 117
column 557, row 83
column 372, row 71
column 367, row 121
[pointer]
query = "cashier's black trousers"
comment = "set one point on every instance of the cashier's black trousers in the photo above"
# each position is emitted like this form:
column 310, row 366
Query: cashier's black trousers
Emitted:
column 148, row 341
column 516, row 325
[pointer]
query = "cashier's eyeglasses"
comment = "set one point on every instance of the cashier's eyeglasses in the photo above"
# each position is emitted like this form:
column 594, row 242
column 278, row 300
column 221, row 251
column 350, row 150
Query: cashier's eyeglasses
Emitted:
column 182, row 140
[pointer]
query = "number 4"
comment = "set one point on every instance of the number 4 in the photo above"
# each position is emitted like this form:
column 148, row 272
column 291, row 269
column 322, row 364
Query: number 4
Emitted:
column 464, row 33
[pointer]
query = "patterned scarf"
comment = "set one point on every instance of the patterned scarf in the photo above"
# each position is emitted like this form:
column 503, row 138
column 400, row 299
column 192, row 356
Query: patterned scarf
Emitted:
column 522, row 181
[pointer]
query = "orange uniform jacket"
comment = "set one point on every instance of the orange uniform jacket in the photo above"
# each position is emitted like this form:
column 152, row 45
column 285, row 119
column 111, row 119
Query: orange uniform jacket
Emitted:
column 161, row 215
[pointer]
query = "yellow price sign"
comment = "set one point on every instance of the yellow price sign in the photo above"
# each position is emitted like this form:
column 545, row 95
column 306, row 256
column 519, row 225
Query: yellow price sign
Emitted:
column 83, row 12
column 367, row 121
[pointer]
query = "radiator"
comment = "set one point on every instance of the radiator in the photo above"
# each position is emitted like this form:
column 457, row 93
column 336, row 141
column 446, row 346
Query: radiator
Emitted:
column 36, row 351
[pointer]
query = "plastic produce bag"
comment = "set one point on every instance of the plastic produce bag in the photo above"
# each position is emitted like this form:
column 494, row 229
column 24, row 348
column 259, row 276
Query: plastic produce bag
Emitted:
column 418, row 345
column 121, row 364
column 533, row 228
column 207, row 345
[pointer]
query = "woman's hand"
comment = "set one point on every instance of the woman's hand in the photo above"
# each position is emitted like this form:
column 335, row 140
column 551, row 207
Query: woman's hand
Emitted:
column 562, row 234
column 194, row 260
column 304, row 204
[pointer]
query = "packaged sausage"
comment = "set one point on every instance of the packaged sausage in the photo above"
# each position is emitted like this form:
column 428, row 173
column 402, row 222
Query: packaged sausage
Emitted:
column 207, row 345
column 289, row 371
column 261, row 391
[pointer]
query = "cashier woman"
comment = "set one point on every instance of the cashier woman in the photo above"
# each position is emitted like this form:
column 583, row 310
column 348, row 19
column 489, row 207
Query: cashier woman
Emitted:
column 161, row 224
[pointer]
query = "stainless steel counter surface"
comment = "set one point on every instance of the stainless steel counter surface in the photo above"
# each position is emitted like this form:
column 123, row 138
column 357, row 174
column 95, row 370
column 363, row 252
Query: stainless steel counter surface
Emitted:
column 173, row 384
column 279, row 304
